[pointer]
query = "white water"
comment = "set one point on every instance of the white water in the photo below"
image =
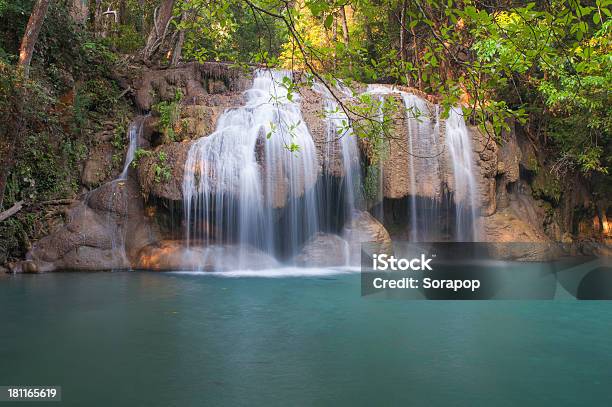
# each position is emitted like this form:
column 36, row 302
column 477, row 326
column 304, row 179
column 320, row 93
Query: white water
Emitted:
column 424, row 162
column 280, row 272
column 114, row 221
column 341, row 143
column 134, row 133
column 243, row 185
column 466, row 194
column 343, row 199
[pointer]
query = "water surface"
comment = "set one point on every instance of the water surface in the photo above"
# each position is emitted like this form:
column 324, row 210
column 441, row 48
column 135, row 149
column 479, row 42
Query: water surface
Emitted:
column 167, row 339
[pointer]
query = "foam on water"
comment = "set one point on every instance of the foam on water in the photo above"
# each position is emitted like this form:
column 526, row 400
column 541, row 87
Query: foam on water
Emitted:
column 280, row 272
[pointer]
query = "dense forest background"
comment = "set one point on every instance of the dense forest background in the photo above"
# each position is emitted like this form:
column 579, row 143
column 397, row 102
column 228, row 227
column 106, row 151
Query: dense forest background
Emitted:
column 545, row 65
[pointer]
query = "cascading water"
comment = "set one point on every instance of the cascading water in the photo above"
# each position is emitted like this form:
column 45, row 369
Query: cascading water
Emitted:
column 466, row 194
column 342, row 196
column 118, row 235
column 424, row 148
column 114, row 210
column 340, row 146
column 134, row 133
column 243, row 183
column 424, row 173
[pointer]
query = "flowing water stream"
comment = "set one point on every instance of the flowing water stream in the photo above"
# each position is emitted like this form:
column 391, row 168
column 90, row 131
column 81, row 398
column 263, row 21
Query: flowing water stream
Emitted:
column 254, row 182
column 425, row 146
column 466, row 194
column 244, row 184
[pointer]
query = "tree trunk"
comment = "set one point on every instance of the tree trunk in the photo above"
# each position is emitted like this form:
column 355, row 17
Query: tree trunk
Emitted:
column 334, row 39
column 14, row 126
column 123, row 12
column 403, row 31
column 30, row 35
column 159, row 31
column 11, row 211
column 177, row 53
column 141, row 16
column 415, row 46
column 345, row 32
column 92, row 11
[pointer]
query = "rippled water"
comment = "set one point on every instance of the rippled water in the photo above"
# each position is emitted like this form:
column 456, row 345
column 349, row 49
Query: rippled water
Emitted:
column 153, row 339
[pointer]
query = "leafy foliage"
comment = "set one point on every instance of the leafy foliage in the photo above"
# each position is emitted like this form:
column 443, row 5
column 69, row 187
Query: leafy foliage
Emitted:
column 169, row 114
column 161, row 169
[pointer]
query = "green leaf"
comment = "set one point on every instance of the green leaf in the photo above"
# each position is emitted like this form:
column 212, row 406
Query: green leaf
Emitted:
column 329, row 20
column 596, row 18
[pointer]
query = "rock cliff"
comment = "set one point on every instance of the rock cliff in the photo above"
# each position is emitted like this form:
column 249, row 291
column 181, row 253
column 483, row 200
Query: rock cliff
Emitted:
column 119, row 226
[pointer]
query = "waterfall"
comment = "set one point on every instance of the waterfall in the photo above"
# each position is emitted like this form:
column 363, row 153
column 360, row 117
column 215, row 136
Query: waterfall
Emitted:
column 114, row 197
column 424, row 177
column 118, row 235
column 243, row 183
column 423, row 168
column 134, row 133
column 466, row 194
column 340, row 148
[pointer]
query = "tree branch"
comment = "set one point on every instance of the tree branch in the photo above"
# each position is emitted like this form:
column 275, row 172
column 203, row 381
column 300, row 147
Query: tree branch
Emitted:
column 11, row 211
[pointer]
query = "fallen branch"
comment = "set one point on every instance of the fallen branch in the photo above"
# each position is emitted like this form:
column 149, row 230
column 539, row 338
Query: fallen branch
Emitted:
column 11, row 211
column 125, row 92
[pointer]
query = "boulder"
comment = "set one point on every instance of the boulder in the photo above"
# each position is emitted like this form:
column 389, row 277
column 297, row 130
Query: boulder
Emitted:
column 364, row 228
column 176, row 255
column 506, row 226
column 102, row 233
column 514, row 237
column 323, row 250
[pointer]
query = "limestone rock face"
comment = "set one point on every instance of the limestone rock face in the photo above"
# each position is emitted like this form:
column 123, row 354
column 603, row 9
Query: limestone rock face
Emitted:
column 193, row 80
column 329, row 152
column 175, row 255
column 486, row 169
column 151, row 167
column 97, row 167
column 323, row 250
column 506, row 226
column 102, row 233
column 199, row 120
column 516, row 237
column 509, row 156
column 428, row 157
